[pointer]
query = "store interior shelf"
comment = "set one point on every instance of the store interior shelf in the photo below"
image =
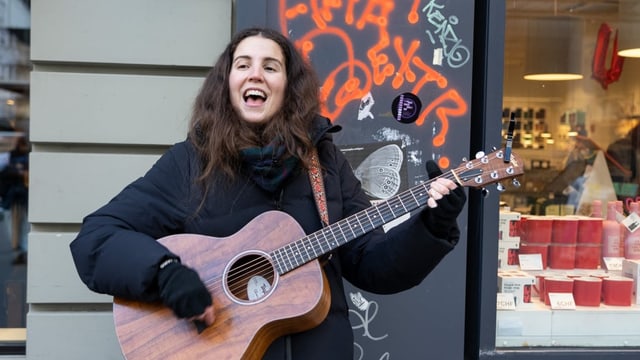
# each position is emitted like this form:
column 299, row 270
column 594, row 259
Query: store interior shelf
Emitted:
column 538, row 325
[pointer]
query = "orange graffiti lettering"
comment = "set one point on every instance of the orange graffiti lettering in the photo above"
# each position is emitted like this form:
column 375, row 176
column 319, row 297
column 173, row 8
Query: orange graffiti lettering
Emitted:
column 368, row 16
column 404, row 62
column 398, row 61
column 413, row 16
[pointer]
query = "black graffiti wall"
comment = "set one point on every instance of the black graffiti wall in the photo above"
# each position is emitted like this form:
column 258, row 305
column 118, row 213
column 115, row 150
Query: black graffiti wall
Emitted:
column 368, row 53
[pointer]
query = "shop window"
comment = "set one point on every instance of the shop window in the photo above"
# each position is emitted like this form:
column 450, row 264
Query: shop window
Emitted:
column 14, row 173
column 569, row 253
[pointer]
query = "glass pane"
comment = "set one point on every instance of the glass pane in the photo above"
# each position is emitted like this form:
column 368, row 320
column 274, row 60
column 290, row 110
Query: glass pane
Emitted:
column 14, row 179
column 569, row 250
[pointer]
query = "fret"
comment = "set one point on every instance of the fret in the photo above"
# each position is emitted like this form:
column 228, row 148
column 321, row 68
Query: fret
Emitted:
column 351, row 228
column 293, row 254
column 393, row 215
column 307, row 246
column 288, row 256
column 396, row 200
column 410, row 197
column 298, row 252
column 331, row 238
column 344, row 236
column 324, row 251
column 402, row 203
column 369, row 218
column 362, row 230
column 424, row 193
column 414, row 197
column 380, row 217
column 278, row 259
column 315, row 244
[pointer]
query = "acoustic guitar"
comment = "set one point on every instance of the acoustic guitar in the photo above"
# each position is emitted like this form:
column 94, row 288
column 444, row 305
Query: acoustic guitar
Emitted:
column 266, row 280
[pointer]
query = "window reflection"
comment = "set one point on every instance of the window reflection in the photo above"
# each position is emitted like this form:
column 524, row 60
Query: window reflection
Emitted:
column 14, row 172
column 568, row 264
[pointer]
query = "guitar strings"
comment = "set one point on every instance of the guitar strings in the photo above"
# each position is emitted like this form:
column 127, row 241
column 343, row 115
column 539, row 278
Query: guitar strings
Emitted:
column 239, row 276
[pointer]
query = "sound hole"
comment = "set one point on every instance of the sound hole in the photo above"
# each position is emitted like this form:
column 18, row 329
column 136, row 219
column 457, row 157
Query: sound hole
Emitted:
column 250, row 278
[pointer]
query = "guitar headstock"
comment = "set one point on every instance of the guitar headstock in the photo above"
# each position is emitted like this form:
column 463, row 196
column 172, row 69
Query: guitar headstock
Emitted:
column 488, row 169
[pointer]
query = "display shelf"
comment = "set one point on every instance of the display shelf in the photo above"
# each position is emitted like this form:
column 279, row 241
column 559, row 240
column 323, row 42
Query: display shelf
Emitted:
column 538, row 325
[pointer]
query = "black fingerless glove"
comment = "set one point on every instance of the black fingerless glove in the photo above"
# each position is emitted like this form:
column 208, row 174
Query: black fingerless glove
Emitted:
column 441, row 219
column 182, row 290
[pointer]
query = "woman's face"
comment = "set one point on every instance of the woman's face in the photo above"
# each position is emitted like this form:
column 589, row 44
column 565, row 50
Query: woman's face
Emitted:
column 257, row 80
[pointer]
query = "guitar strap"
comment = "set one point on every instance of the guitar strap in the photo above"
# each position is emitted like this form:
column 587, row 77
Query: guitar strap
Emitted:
column 315, row 176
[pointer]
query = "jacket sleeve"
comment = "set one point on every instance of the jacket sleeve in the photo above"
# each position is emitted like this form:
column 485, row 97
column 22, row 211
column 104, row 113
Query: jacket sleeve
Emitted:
column 389, row 262
column 116, row 251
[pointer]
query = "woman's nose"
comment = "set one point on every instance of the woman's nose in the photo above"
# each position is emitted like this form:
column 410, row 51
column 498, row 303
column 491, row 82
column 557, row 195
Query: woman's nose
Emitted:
column 256, row 74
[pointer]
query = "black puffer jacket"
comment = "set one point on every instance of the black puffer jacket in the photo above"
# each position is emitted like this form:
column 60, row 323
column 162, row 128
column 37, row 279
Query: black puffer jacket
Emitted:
column 164, row 200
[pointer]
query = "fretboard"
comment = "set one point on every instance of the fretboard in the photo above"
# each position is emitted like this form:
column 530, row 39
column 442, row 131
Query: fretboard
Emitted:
column 323, row 241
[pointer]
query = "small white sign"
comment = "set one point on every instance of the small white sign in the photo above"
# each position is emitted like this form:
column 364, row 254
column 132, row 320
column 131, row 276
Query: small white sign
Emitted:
column 613, row 263
column 506, row 301
column 530, row 262
column 631, row 222
column 562, row 301
column 438, row 56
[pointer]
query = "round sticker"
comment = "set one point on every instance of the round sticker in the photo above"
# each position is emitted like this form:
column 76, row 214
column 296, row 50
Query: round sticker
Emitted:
column 406, row 108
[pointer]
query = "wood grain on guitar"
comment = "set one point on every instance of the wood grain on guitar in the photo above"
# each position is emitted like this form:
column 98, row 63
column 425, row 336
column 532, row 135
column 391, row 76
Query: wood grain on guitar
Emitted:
column 265, row 280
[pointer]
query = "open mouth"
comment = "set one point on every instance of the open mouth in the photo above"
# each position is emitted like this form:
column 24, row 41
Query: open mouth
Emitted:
column 254, row 97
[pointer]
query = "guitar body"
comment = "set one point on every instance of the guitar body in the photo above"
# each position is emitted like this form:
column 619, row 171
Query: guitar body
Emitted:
column 253, row 304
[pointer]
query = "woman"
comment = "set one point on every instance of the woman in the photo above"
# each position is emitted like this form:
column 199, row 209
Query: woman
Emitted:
column 252, row 135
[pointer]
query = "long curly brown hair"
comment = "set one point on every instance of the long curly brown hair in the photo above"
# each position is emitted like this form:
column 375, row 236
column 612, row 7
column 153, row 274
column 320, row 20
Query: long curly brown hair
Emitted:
column 218, row 133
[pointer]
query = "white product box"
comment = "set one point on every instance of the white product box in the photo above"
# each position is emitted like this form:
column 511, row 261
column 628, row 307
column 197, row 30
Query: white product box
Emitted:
column 518, row 283
column 631, row 268
column 508, row 254
column 509, row 226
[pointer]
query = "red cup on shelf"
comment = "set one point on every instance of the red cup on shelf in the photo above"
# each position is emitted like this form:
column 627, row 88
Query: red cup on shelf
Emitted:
column 565, row 230
column 589, row 230
column 538, row 229
column 587, row 291
column 562, row 256
column 617, row 290
column 556, row 284
column 588, row 256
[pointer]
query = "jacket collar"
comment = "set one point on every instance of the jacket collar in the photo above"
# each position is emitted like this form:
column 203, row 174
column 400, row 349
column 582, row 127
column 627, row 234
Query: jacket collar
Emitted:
column 323, row 128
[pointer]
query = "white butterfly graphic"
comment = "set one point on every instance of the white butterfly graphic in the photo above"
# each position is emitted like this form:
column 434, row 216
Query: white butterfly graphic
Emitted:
column 359, row 301
column 379, row 173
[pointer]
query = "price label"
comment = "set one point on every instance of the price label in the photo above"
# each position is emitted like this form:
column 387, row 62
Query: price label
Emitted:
column 562, row 301
column 631, row 222
column 506, row 301
column 530, row 262
column 613, row 263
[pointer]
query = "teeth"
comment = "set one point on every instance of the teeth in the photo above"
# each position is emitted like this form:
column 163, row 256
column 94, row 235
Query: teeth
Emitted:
column 255, row 92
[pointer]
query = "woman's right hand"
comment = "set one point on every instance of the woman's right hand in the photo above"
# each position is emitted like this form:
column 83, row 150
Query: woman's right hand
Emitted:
column 182, row 290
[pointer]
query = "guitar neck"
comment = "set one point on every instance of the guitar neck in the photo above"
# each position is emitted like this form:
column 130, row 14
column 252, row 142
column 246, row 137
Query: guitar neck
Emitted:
column 339, row 233
column 487, row 169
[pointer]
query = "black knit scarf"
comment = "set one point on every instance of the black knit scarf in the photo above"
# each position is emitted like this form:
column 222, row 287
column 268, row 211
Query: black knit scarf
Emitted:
column 268, row 166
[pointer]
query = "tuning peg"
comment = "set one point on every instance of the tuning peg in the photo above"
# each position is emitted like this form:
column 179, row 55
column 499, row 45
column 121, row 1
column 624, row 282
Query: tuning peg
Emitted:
column 485, row 193
column 500, row 187
column 493, row 148
column 515, row 182
column 479, row 154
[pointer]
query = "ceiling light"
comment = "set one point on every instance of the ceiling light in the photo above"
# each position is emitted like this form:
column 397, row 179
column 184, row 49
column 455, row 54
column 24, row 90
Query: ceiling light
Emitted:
column 629, row 29
column 554, row 49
